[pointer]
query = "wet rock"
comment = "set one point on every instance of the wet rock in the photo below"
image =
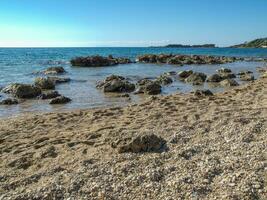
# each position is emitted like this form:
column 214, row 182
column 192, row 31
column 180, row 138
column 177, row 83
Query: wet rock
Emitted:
column 49, row 95
column 196, row 78
column 54, row 70
column 185, row 74
column 44, row 83
column 241, row 73
column 143, row 143
column 164, row 80
column 148, row 87
column 22, row 90
column 214, row 78
column 9, row 101
column 226, row 73
column 224, row 70
column 98, row 61
column 228, row 83
column 115, row 83
column 171, row 73
column 247, row 77
column 60, row 100
column 58, row 80
column 202, row 93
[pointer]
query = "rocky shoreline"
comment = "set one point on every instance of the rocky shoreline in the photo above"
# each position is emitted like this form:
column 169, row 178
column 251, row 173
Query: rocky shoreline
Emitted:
column 181, row 146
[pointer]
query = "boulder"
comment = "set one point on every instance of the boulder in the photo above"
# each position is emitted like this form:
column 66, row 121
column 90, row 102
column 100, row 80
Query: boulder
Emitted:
column 228, row 83
column 44, row 83
column 9, row 101
column 214, row 78
column 185, row 74
column 164, row 80
column 115, row 83
column 54, row 70
column 22, row 90
column 224, row 70
column 226, row 73
column 148, row 87
column 202, row 93
column 143, row 143
column 49, row 95
column 60, row 100
column 241, row 73
column 196, row 78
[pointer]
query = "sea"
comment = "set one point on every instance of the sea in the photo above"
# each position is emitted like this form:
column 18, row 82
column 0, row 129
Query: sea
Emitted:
column 18, row 65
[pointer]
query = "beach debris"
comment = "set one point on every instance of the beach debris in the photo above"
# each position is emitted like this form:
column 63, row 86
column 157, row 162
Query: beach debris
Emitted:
column 49, row 95
column 197, row 78
column 54, row 70
column 214, row 78
column 149, row 87
column 44, row 83
column 116, row 83
column 60, row 100
column 9, row 101
column 184, row 74
column 202, row 93
column 228, row 83
column 98, row 61
column 184, row 59
column 143, row 143
column 21, row 90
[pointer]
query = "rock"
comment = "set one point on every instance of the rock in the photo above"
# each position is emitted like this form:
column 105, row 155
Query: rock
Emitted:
column 261, row 69
column 241, row 73
column 226, row 73
column 247, row 77
column 185, row 74
column 58, row 80
column 44, row 83
column 214, row 78
column 22, row 90
column 196, row 78
column 9, row 101
column 264, row 75
column 171, row 73
column 228, row 83
column 54, row 70
column 149, row 87
column 201, row 93
column 224, row 70
column 116, row 84
column 98, row 61
column 143, row 143
column 49, row 95
column 60, row 100
column 164, row 80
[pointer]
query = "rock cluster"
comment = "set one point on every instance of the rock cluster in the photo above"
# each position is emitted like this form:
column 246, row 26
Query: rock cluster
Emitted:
column 22, row 90
column 98, row 61
column 184, row 59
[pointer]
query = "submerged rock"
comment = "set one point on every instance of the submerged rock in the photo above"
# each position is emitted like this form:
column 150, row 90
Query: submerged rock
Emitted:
column 98, row 61
column 60, row 100
column 9, row 101
column 44, row 83
column 228, row 83
column 49, row 95
column 115, row 83
column 143, row 143
column 22, row 90
column 196, row 78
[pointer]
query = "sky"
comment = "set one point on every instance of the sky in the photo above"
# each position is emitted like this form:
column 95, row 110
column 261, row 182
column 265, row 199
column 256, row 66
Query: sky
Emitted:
column 130, row 23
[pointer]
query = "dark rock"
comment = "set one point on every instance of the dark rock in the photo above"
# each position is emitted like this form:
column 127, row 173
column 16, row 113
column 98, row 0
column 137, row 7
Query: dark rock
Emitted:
column 196, row 78
column 9, row 101
column 241, row 73
column 224, row 70
column 60, row 100
column 22, row 90
column 44, row 83
column 49, row 95
column 214, row 78
column 98, row 61
column 149, row 87
column 143, row 143
column 228, row 83
column 115, row 83
column 54, row 70
column 58, row 80
column 247, row 77
column 164, row 80
column 185, row 74
column 201, row 93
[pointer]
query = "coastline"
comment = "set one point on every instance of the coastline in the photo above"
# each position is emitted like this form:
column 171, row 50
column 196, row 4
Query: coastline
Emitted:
column 215, row 149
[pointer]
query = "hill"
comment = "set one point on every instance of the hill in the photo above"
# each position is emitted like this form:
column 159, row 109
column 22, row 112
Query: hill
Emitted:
column 258, row 43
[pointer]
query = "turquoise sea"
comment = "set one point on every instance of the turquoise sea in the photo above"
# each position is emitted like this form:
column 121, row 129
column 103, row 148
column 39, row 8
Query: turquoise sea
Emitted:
column 18, row 65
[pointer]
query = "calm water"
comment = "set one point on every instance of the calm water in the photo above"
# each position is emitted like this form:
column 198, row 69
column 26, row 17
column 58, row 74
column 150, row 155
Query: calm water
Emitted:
column 17, row 65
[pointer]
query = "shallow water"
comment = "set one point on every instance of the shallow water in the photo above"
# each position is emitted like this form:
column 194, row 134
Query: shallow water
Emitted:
column 18, row 65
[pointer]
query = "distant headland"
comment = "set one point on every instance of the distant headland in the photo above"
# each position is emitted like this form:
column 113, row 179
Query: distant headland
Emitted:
column 258, row 43
column 186, row 46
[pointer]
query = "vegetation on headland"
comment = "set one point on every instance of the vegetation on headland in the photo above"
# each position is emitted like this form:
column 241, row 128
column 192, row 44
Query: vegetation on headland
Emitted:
column 258, row 43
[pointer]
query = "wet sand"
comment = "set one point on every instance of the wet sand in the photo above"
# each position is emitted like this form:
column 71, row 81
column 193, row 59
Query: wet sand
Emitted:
column 216, row 149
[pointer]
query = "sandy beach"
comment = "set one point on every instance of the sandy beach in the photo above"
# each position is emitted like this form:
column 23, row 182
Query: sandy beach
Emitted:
column 215, row 148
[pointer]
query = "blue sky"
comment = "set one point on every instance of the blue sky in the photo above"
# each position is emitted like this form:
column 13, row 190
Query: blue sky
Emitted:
column 52, row 23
